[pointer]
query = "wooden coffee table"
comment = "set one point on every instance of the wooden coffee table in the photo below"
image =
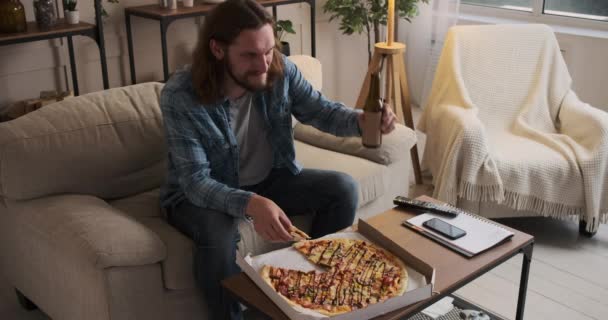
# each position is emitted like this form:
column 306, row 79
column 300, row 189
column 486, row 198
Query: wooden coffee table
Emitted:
column 452, row 270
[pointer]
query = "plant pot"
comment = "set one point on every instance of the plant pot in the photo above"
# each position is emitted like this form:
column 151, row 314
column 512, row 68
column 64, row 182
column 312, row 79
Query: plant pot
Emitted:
column 285, row 48
column 168, row 4
column 72, row 17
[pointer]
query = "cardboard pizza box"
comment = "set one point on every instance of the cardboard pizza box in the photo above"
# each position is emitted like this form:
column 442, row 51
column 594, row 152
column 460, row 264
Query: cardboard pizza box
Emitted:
column 421, row 276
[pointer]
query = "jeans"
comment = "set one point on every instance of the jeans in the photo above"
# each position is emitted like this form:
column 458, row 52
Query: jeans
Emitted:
column 331, row 196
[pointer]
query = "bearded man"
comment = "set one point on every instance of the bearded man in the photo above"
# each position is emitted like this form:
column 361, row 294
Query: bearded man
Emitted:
column 231, row 153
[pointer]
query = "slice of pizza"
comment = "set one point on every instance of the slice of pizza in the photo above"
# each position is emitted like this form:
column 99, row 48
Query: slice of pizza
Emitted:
column 297, row 234
column 323, row 252
column 342, row 253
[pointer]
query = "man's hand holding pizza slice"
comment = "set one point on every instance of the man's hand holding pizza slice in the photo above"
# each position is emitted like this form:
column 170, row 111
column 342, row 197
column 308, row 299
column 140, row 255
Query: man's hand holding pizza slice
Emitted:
column 269, row 220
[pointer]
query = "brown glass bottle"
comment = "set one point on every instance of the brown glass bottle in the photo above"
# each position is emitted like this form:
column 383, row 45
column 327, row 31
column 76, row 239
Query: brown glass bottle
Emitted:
column 12, row 16
column 372, row 136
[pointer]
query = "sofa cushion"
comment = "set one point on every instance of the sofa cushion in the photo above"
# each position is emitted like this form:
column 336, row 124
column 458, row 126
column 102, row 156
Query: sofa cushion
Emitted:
column 178, row 265
column 372, row 177
column 84, row 228
column 108, row 144
column 394, row 145
column 311, row 69
column 145, row 204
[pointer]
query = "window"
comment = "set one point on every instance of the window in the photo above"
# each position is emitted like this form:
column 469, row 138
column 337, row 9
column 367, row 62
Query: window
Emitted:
column 587, row 9
column 581, row 9
column 522, row 5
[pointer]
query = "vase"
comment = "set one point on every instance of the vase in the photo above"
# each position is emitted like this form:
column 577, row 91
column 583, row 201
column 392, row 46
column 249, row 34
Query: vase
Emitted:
column 44, row 10
column 168, row 4
column 72, row 17
column 188, row 3
column 12, row 16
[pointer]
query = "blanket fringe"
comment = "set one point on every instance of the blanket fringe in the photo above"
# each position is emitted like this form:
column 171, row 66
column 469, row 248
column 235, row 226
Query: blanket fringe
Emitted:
column 475, row 192
column 517, row 201
column 544, row 208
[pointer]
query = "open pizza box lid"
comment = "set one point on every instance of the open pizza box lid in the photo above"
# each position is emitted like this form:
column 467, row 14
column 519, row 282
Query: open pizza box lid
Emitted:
column 421, row 276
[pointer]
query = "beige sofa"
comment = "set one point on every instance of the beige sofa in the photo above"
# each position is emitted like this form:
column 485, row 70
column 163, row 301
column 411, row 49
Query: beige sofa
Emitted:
column 81, row 231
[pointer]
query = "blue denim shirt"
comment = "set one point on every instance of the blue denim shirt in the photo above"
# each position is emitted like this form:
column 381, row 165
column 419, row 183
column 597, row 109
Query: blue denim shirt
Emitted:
column 203, row 156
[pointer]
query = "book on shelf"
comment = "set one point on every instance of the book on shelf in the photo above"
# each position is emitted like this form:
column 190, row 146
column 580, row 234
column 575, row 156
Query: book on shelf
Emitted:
column 481, row 233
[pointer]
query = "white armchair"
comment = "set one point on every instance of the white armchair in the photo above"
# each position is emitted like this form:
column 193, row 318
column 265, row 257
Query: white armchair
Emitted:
column 507, row 136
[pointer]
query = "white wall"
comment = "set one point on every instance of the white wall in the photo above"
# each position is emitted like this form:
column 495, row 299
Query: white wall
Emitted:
column 587, row 60
column 26, row 69
column 344, row 60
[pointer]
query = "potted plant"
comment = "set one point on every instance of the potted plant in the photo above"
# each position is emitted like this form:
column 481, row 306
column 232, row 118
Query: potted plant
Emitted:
column 104, row 13
column 367, row 15
column 71, row 14
column 281, row 28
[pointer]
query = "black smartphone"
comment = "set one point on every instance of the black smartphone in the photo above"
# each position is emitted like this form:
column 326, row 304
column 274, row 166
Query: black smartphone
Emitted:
column 444, row 228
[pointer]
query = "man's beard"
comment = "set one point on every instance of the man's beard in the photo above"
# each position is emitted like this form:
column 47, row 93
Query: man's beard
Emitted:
column 242, row 82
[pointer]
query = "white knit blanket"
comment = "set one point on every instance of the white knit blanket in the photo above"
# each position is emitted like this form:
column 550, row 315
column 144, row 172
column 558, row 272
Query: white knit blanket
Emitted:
column 503, row 125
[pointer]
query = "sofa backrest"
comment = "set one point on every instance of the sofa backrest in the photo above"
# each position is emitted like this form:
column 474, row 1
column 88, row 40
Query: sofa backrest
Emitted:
column 109, row 144
column 310, row 68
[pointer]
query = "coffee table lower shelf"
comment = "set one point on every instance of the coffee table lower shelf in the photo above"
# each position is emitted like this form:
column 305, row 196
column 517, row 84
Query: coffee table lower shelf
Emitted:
column 459, row 304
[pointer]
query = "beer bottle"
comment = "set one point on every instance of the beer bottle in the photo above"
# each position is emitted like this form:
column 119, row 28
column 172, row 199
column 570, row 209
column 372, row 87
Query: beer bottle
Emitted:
column 372, row 136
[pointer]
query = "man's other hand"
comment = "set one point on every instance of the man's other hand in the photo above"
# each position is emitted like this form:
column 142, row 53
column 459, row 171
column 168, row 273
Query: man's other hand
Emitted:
column 388, row 119
column 269, row 220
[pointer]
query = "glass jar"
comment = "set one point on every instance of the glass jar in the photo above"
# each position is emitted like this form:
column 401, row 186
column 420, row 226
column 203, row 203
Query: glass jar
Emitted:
column 44, row 10
column 12, row 16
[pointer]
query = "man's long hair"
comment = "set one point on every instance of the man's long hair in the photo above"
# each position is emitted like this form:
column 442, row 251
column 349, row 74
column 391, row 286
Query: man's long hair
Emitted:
column 224, row 24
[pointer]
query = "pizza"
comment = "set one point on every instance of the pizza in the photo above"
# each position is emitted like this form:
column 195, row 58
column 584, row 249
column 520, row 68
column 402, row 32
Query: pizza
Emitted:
column 298, row 234
column 356, row 274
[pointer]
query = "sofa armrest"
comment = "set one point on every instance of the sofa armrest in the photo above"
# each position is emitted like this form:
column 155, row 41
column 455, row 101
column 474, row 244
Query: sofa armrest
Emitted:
column 395, row 145
column 87, row 228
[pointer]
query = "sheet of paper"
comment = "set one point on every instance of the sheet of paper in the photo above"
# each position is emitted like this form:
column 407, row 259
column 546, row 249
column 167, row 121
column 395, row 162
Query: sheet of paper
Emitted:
column 481, row 233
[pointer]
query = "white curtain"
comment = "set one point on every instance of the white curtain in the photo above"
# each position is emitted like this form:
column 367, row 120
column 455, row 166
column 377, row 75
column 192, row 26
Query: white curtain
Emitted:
column 424, row 38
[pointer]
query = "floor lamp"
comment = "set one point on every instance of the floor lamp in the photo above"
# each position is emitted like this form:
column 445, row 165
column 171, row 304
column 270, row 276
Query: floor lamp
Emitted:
column 390, row 53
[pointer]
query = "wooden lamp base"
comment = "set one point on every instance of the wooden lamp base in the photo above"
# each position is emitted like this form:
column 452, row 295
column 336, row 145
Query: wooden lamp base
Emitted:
column 396, row 89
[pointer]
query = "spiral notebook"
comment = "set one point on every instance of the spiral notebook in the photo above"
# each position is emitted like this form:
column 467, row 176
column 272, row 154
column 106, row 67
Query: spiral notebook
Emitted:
column 482, row 234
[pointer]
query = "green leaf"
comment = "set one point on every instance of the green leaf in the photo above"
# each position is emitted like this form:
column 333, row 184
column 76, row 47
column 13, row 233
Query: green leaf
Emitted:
column 69, row 5
column 104, row 13
column 288, row 27
column 361, row 16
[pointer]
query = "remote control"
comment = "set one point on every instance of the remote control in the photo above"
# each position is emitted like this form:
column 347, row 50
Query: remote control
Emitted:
column 408, row 203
